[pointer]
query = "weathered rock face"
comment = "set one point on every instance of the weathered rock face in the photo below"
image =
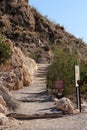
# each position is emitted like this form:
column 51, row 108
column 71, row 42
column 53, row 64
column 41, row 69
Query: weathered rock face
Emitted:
column 26, row 76
column 15, row 12
column 3, row 118
column 2, row 105
column 26, row 66
column 2, row 102
column 18, row 72
column 10, row 102
column 65, row 105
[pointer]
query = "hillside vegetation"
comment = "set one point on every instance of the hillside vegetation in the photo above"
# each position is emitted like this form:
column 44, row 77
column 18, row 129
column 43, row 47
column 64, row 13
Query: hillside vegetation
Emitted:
column 43, row 40
column 63, row 68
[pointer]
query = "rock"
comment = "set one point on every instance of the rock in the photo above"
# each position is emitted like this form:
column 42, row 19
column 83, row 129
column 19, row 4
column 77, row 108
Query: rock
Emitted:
column 10, row 86
column 31, row 64
column 24, row 66
column 20, row 72
column 2, row 109
column 17, row 58
column 26, row 76
column 18, row 84
column 3, row 119
column 2, row 102
column 84, row 105
column 65, row 105
column 5, row 67
column 19, row 78
column 15, row 79
column 2, row 105
column 10, row 102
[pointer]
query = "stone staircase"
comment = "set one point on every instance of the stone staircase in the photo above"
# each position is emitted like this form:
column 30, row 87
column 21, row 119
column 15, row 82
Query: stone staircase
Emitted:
column 34, row 100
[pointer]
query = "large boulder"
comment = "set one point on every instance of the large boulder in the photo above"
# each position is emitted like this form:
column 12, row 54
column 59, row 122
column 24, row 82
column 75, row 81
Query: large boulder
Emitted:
column 65, row 105
column 13, row 79
column 30, row 65
column 24, row 67
column 17, row 58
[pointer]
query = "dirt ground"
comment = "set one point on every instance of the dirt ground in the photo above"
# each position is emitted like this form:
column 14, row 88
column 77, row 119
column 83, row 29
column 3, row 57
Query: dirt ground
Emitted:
column 76, row 122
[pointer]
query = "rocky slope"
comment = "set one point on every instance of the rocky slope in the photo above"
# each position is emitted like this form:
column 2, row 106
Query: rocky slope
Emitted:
column 18, row 71
column 35, row 34
column 27, row 29
column 14, row 74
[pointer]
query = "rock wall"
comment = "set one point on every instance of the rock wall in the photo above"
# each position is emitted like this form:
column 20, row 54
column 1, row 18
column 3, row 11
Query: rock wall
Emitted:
column 15, row 74
column 18, row 71
column 3, row 118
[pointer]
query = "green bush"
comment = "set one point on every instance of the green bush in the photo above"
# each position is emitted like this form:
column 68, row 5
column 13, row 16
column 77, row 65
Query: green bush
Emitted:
column 5, row 51
column 62, row 68
column 83, row 73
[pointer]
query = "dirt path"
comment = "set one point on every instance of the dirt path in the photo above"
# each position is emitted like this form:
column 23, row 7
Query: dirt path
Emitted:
column 34, row 99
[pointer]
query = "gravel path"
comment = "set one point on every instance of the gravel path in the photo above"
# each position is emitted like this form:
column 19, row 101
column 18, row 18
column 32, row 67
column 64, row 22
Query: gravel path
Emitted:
column 34, row 99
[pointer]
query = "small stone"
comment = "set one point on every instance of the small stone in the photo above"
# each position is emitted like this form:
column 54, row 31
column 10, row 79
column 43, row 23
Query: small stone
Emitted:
column 20, row 122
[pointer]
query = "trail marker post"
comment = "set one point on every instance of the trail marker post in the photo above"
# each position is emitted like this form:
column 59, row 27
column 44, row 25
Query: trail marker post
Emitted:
column 78, row 83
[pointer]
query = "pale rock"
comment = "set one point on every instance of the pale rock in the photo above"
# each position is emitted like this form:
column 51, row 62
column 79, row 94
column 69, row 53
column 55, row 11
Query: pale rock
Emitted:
column 3, row 119
column 18, row 84
column 65, row 105
column 15, row 79
column 2, row 109
column 17, row 57
column 10, row 86
column 2, row 102
column 21, row 71
column 23, row 62
column 31, row 64
column 26, row 76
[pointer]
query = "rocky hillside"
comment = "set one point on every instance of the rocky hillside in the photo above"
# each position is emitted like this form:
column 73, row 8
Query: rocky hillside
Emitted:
column 35, row 34
column 15, row 74
column 18, row 71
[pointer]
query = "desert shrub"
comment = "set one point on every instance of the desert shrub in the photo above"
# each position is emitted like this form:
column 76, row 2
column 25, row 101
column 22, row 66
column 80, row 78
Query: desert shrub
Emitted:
column 84, row 73
column 62, row 68
column 83, row 76
column 5, row 51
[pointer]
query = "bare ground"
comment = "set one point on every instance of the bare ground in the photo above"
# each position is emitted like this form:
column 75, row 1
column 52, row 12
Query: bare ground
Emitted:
column 34, row 99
